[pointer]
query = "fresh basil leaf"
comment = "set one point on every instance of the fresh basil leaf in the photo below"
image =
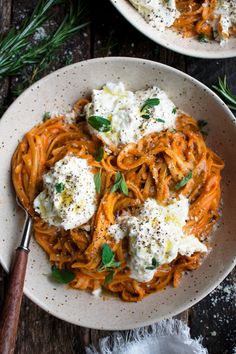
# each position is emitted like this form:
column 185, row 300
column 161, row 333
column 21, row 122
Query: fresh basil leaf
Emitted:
column 145, row 116
column 115, row 264
column 115, row 188
column 201, row 124
column 120, row 184
column 203, row 132
column 123, row 186
column 62, row 276
column 109, row 277
column 202, row 38
column 116, row 185
column 154, row 265
column 99, row 154
column 160, row 120
column 107, row 254
column 118, row 177
column 99, row 123
column 46, row 116
column 59, row 187
column 108, row 259
column 97, row 181
column 174, row 110
column 184, row 181
column 151, row 102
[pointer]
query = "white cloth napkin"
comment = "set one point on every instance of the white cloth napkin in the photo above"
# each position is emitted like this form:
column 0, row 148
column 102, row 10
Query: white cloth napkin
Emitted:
column 165, row 337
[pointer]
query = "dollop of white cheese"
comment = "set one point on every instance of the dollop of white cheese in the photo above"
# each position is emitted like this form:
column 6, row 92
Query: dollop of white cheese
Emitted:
column 69, row 196
column 124, row 110
column 156, row 232
column 158, row 13
column 224, row 18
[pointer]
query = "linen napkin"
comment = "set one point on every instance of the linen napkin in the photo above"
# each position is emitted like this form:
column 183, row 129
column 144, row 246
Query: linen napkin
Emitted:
column 165, row 337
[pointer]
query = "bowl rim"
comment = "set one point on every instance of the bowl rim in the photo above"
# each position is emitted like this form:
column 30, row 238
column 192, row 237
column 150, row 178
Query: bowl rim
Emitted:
column 203, row 54
column 62, row 315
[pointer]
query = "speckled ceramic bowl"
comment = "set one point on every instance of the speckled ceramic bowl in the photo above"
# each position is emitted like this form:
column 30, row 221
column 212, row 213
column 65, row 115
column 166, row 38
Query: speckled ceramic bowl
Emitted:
column 56, row 92
column 174, row 41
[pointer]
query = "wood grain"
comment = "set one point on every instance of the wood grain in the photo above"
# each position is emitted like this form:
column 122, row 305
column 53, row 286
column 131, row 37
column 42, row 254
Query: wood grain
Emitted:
column 12, row 304
column 215, row 318
column 110, row 34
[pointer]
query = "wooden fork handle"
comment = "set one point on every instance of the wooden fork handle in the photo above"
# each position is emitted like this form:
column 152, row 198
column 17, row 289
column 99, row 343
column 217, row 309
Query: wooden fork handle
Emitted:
column 11, row 307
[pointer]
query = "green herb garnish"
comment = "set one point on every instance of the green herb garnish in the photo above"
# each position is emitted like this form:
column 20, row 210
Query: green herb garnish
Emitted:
column 160, row 120
column 109, row 277
column 151, row 102
column 223, row 89
column 59, row 187
column 62, row 276
column 99, row 154
column 184, row 181
column 201, row 124
column 154, row 265
column 148, row 104
column 202, row 38
column 145, row 116
column 97, row 181
column 15, row 50
column 108, row 259
column 174, row 110
column 99, row 123
column 46, row 116
column 120, row 184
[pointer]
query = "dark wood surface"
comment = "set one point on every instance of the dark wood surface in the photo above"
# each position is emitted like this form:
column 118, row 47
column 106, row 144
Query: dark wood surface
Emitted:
column 12, row 303
column 109, row 34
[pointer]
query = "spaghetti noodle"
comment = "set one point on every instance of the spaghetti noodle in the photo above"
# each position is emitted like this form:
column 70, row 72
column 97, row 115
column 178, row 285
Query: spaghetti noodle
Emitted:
column 151, row 168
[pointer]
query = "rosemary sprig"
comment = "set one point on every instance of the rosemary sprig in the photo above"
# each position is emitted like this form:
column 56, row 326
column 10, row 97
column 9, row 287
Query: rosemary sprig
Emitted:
column 15, row 50
column 223, row 89
column 15, row 41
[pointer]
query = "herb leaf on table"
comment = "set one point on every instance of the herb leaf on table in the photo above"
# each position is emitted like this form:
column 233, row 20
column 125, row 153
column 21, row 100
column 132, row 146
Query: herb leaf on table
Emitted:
column 223, row 89
column 16, row 51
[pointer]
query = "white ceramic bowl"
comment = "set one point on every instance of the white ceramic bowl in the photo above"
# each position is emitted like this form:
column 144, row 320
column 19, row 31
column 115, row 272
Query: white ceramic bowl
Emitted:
column 62, row 88
column 174, row 41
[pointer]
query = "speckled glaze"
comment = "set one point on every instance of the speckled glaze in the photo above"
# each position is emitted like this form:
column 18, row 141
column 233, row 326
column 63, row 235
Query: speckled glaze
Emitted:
column 55, row 93
column 174, row 41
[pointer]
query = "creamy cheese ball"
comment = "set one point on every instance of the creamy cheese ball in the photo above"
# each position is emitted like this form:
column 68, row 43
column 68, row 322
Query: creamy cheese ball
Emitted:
column 156, row 232
column 69, row 196
column 160, row 14
column 124, row 110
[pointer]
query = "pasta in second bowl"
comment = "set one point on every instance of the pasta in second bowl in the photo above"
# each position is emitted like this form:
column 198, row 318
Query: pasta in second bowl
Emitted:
column 73, row 145
column 195, row 28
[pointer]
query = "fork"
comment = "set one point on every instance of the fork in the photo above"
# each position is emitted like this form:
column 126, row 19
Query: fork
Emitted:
column 11, row 307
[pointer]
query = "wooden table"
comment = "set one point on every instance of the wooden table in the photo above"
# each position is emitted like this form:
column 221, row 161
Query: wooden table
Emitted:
column 109, row 34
